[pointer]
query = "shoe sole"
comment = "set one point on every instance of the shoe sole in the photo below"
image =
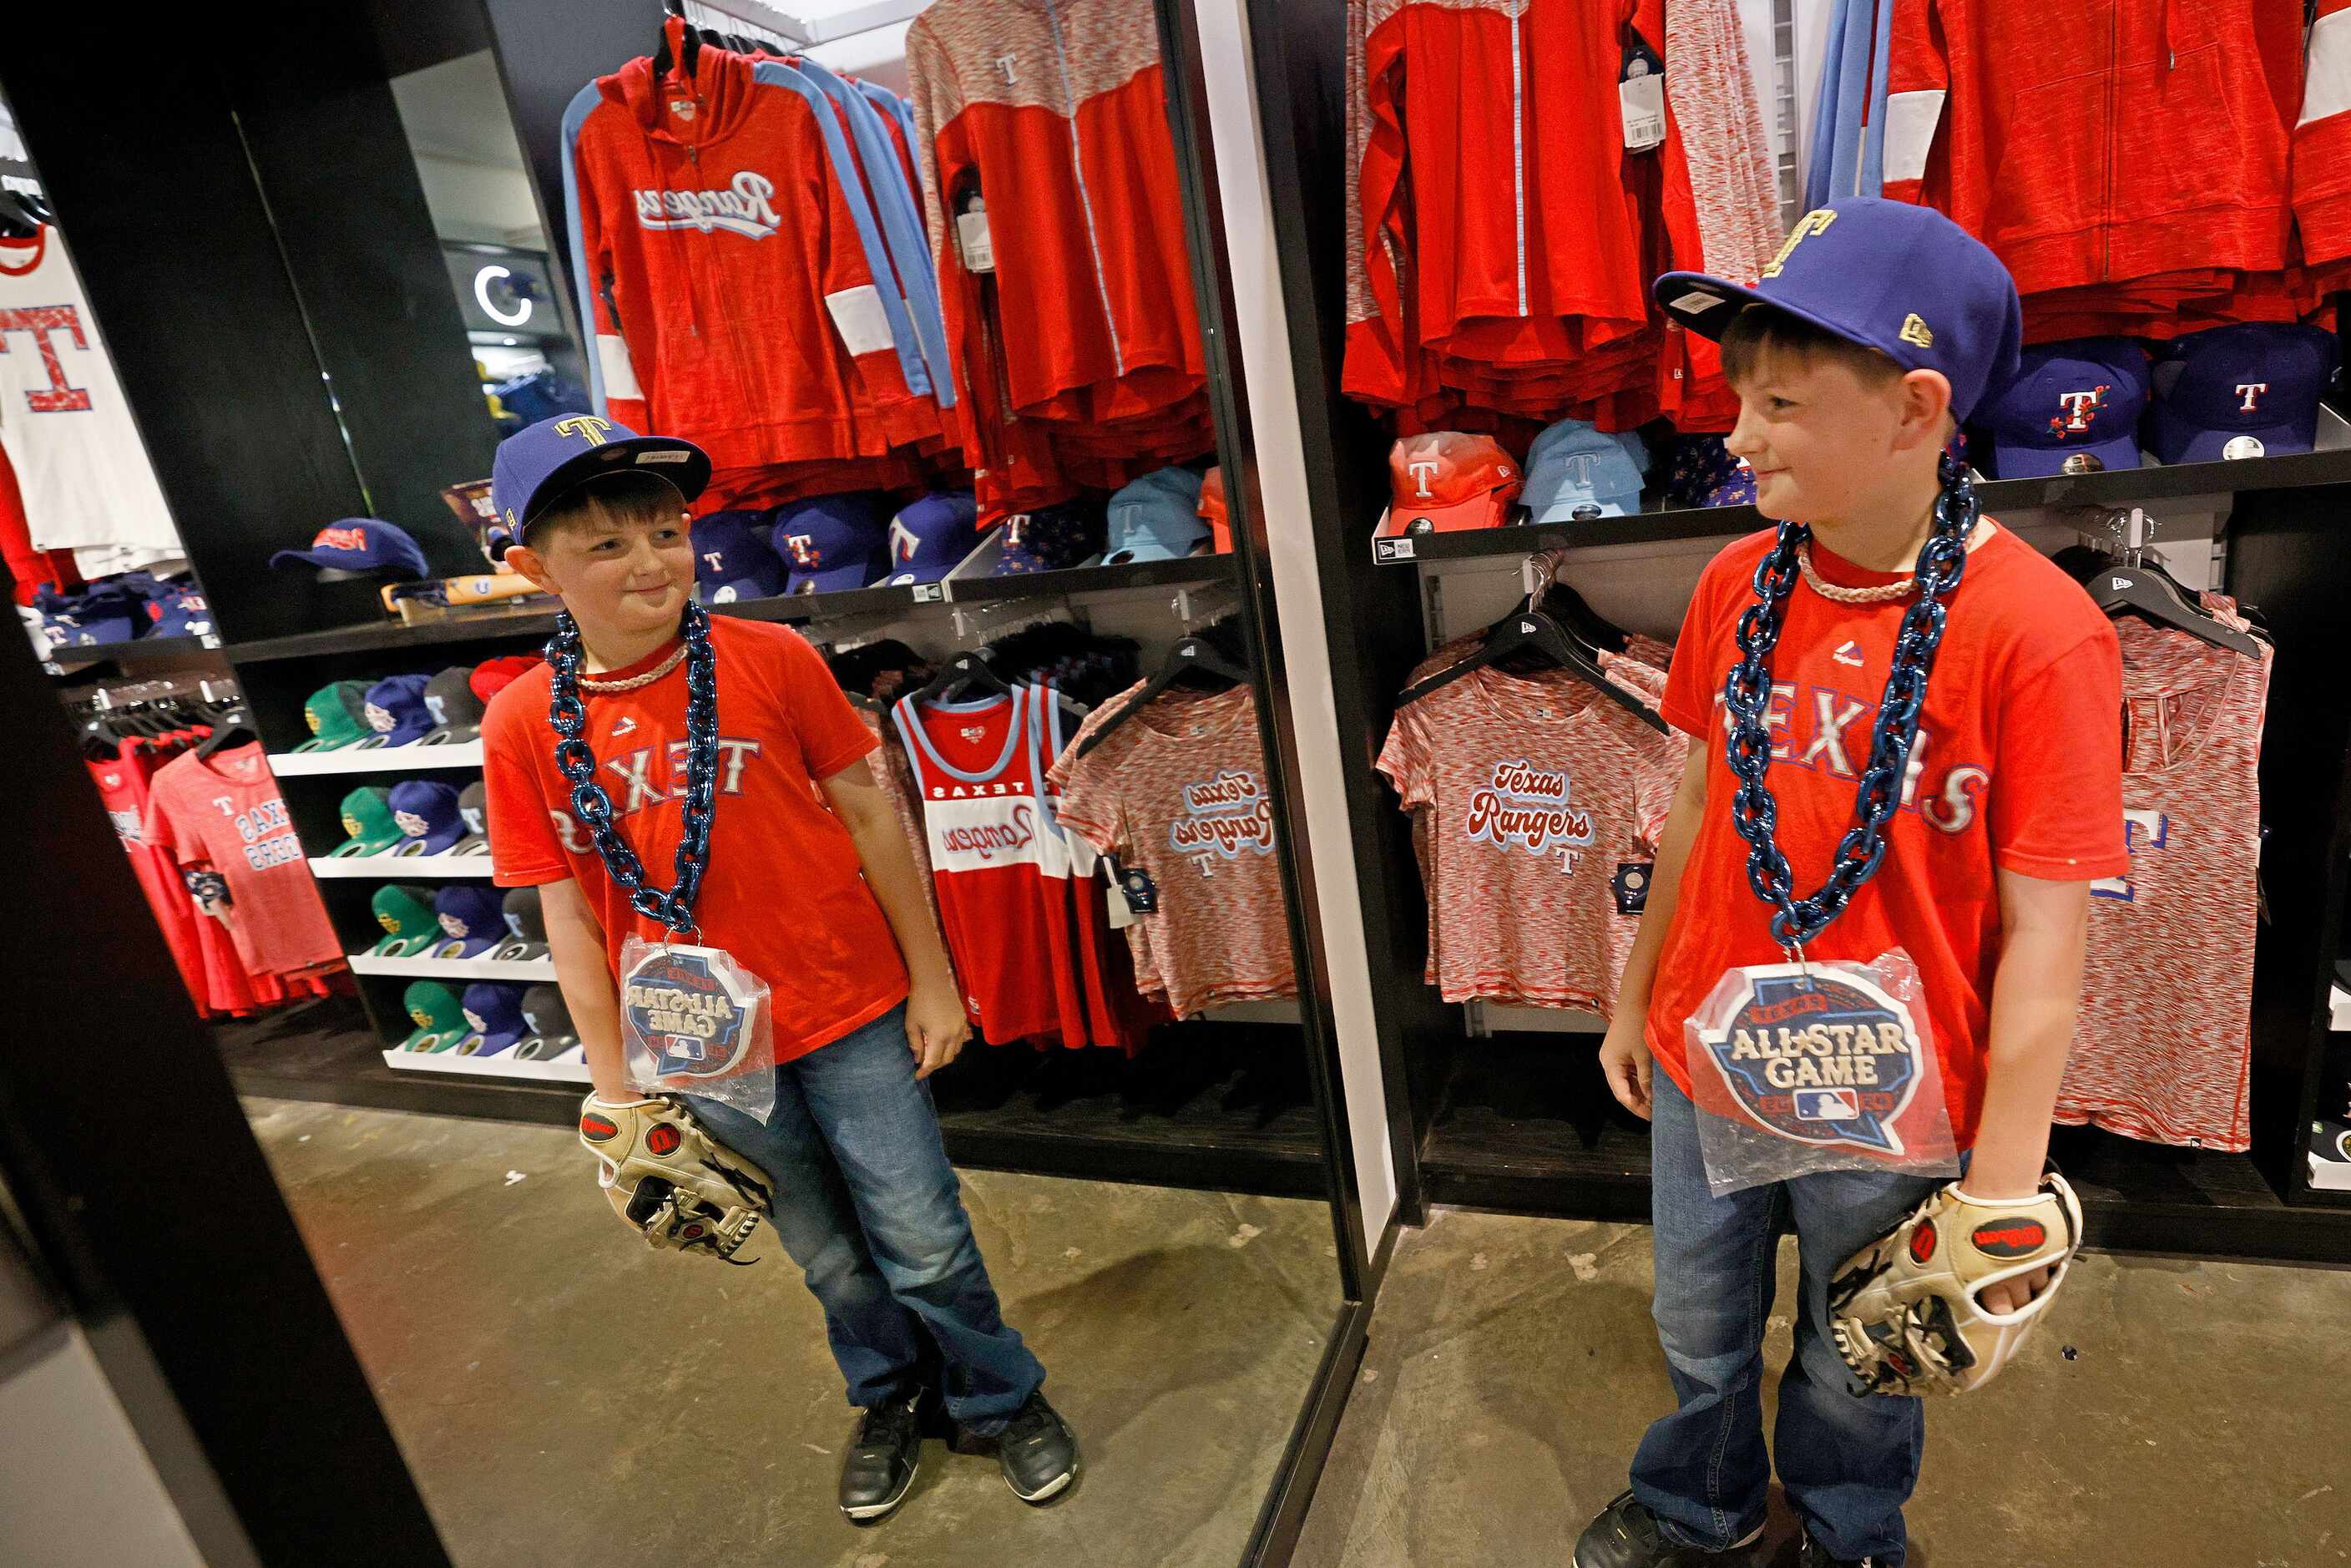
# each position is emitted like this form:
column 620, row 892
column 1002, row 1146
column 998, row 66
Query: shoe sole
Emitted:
column 1053, row 1488
column 866, row 1514
column 1577, row 1561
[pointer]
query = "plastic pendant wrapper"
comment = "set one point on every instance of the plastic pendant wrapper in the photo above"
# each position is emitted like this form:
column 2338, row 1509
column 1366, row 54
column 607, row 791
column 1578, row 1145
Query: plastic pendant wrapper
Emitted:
column 1814, row 1066
column 694, row 1021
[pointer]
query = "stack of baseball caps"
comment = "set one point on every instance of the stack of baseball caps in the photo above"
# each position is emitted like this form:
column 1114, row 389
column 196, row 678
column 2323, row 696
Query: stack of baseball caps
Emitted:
column 485, row 1019
column 413, row 816
column 464, row 920
column 417, row 709
column 119, row 609
column 1158, row 518
column 1444, row 480
column 2089, row 405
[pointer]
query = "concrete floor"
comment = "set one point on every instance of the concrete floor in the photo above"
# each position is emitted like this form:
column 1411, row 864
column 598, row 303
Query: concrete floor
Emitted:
column 564, row 1395
column 1512, row 1368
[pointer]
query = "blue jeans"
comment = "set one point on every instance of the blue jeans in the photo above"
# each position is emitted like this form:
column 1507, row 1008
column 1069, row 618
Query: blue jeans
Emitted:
column 867, row 1205
column 1848, row 1461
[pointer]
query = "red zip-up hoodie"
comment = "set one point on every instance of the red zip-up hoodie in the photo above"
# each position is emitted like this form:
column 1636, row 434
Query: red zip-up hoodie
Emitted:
column 732, row 299
column 2090, row 142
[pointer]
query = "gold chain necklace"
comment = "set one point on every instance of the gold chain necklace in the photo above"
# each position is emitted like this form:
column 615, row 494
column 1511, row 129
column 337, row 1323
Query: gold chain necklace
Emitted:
column 676, row 657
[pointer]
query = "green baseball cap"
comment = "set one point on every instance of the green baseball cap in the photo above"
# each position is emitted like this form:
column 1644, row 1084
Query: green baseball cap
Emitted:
column 440, row 1018
column 337, row 715
column 368, row 819
column 406, row 916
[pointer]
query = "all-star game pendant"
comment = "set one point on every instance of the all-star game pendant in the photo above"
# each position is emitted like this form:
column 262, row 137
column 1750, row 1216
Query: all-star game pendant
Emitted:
column 690, row 1016
column 1817, row 1055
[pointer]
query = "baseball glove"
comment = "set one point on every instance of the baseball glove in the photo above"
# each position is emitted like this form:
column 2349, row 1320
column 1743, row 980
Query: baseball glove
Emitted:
column 671, row 1179
column 1905, row 1310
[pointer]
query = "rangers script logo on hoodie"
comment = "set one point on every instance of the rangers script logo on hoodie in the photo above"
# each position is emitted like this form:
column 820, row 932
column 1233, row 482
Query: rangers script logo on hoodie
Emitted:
column 742, row 208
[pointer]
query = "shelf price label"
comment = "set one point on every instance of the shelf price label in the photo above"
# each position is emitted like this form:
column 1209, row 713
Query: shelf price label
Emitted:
column 1385, row 550
column 930, row 592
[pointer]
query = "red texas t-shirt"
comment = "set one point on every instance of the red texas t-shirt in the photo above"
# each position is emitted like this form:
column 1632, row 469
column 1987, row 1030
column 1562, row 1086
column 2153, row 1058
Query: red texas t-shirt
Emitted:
column 785, row 893
column 2018, row 767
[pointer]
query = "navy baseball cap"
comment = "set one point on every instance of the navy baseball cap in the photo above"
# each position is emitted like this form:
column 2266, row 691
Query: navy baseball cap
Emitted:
column 456, row 711
column 359, row 544
column 1576, row 471
column 1156, row 517
column 428, row 815
column 1902, row 279
column 526, row 927
column 474, row 806
column 733, row 559
column 2246, row 391
column 494, row 1009
column 473, row 920
column 397, row 712
column 549, row 1022
column 1703, row 472
column 179, row 612
column 536, row 467
column 2073, row 408
column 831, row 543
column 929, row 537
column 1050, row 539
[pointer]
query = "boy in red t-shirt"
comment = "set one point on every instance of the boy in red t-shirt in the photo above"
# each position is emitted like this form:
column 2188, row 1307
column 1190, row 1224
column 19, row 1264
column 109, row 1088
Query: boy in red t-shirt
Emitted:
column 1878, row 328
column 808, row 885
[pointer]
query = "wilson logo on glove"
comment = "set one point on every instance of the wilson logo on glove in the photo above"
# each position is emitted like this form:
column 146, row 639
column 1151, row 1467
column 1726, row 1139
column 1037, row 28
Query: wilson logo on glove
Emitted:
column 1922, row 1243
column 664, row 1140
column 599, row 1128
column 2009, row 1238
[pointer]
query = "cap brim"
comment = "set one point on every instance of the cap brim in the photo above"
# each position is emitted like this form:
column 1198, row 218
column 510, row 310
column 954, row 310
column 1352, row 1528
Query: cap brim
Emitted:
column 2191, row 445
column 424, row 1040
column 832, row 580
column 453, row 735
column 740, row 590
column 462, row 946
column 1490, row 510
column 518, row 950
column 1564, row 509
column 374, row 845
column 471, row 844
column 682, row 463
column 2012, row 461
column 492, row 1044
column 919, row 574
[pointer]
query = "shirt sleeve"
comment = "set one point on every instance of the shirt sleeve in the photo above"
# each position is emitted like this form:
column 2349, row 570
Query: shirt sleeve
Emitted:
column 524, row 849
column 2055, row 806
column 830, row 734
column 1089, row 805
column 1919, row 85
column 1405, row 760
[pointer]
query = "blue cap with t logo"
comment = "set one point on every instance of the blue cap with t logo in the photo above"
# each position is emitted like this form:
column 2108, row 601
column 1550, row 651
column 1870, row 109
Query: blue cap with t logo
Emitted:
column 535, row 467
column 1902, row 279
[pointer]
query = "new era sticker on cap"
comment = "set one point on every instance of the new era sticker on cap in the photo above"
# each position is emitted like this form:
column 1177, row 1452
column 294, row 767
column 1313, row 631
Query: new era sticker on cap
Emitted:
column 1696, row 300
column 668, row 456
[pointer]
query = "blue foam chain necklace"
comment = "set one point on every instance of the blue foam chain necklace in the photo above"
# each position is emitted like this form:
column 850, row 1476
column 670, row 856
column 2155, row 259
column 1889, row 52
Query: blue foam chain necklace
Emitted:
column 1747, row 692
column 577, row 763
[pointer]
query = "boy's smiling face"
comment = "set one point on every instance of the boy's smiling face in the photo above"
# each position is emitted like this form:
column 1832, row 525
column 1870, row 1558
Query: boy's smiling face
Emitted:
column 624, row 575
column 1831, row 441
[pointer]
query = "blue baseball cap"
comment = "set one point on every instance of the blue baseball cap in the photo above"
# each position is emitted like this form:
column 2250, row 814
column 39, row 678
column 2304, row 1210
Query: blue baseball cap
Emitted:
column 1156, row 517
column 1703, row 472
column 494, row 1008
column 535, row 467
column 360, row 544
column 179, row 612
column 427, row 814
column 733, row 559
column 473, row 919
column 1576, row 471
column 104, row 614
column 1050, row 539
column 2073, row 408
column 396, row 710
column 831, row 543
column 2246, row 391
column 930, row 537
column 1902, row 279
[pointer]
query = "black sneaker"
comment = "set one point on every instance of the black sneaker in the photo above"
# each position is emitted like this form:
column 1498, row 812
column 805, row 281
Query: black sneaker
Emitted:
column 1816, row 1555
column 1625, row 1535
column 1037, row 1452
column 881, row 1460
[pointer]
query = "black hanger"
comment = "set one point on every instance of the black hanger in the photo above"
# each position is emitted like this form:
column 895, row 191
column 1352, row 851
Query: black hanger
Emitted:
column 36, row 203
column 235, row 727
column 1192, row 655
column 1531, row 628
column 961, row 673
column 1580, row 621
column 2152, row 594
column 16, row 219
column 689, row 54
column 99, row 742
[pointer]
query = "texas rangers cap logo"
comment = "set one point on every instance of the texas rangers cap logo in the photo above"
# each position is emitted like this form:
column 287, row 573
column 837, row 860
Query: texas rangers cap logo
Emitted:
column 688, row 1014
column 1823, row 1058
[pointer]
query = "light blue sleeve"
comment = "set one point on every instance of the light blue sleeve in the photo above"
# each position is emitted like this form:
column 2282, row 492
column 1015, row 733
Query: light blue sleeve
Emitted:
column 575, row 115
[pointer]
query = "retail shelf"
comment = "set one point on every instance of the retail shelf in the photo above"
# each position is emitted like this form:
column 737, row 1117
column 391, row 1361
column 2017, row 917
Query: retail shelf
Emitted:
column 401, row 867
column 2119, row 487
column 503, row 1065
column 137, row 654
column 377, row 760
column 522, row 970
column 794, row 609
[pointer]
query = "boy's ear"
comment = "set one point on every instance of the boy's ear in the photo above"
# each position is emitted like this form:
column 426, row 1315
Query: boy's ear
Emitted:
column 1926, row 397
column 532, row 565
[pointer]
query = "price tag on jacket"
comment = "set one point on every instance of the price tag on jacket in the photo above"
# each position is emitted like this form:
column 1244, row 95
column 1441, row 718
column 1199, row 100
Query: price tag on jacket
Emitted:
column 1641, row 98
column 972, row 237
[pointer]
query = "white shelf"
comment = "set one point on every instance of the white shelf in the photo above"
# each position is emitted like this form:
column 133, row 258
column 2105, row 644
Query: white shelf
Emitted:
column 573, row 1069
column 376, row 759
column 2338, row 1007
column 400, row 868
column 520, row 970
